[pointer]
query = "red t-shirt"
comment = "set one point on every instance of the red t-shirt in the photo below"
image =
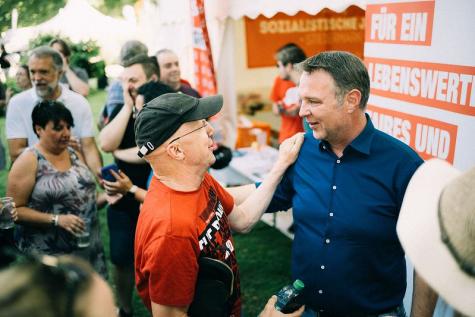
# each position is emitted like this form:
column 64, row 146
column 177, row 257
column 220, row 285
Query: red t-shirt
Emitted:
column 290, row 124
column 174, row 228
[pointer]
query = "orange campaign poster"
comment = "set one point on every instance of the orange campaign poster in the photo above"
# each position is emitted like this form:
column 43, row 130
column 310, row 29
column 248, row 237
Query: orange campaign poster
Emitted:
column 448, row 87
column 429, row 138
column 328, row 30
column 404, row 23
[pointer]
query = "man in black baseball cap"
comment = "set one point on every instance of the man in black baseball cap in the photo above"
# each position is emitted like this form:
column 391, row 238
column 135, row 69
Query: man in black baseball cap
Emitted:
column 187, row 215
column 163, row 116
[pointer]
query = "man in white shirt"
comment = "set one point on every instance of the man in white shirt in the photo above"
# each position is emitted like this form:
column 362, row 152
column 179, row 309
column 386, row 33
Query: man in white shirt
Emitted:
column 46, row 68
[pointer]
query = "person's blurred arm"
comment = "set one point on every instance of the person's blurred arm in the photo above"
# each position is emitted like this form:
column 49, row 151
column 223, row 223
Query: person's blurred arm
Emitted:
column 270, row 311
column 129, row 155
column 424, row 298
column 16, row 147
column 91, row 155
column 8, row 95
column 244, row 216
column 113, row 133
column 276, row 108
column 168, row 311
column 77, row 84
column 240, row 193
column 15, row 129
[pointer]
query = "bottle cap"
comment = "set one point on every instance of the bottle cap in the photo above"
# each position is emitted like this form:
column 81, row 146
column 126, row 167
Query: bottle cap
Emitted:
column 298, row 284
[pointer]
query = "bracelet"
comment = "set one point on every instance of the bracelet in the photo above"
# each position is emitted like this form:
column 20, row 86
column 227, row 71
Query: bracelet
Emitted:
column 133, row 189
column 54, row 220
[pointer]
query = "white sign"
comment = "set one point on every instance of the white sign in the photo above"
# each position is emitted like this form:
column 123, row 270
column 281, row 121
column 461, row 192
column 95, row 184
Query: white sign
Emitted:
column 421, row 61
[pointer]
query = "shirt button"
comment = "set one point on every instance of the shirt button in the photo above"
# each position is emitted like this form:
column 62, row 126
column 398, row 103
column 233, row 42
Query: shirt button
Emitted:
column 331, row 214
column 324, row 147
column 327, row 241
column 322, row 267
column 338, row 161
column 320, row 291
column 334, row 187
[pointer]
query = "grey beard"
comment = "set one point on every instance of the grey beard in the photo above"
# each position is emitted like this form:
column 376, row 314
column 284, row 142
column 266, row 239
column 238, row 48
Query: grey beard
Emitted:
column 42, row 93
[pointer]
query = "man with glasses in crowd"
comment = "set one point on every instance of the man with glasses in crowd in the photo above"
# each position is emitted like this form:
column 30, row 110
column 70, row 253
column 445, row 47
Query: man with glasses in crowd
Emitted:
column 186, row 214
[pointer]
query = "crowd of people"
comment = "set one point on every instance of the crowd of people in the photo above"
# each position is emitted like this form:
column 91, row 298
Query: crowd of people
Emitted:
column 361, row 199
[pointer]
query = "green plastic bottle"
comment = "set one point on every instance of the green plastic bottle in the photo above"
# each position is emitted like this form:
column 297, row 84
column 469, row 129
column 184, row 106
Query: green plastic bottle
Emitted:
column 286, row 297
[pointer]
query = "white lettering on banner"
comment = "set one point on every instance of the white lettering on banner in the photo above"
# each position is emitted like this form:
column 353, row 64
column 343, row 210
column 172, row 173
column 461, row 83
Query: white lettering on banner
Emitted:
column 392, row 125
column 432, row 140
column 414, row 26
column 383, row 25
column 403, row 23
column 426, row 83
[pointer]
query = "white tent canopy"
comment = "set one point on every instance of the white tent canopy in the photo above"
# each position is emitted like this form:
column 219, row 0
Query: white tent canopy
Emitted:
column 80, row 22
column 237, row 9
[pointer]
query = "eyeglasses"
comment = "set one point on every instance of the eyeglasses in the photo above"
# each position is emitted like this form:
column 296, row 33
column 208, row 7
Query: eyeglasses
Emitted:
column 181, row 136
column 464, row 263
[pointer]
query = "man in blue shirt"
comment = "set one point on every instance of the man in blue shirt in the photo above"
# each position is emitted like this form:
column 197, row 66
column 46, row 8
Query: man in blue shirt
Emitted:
column 346, row 189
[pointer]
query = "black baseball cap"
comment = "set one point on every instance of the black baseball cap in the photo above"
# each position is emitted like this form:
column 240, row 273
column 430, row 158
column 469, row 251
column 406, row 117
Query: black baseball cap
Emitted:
column 163, row 116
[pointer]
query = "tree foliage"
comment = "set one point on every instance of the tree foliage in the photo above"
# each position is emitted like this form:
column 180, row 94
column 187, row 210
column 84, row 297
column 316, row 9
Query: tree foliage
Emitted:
column 81, row 53
column 111, row 7
column 33, row 12
column 30, row 12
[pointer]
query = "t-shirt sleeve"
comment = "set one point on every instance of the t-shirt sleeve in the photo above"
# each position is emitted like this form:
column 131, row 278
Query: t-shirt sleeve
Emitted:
column 225, row 197
column 86, row 126
column 14, row 123
column 171, row 264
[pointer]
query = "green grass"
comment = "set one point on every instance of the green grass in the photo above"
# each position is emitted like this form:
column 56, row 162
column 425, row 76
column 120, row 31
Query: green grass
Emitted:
column 263, row 255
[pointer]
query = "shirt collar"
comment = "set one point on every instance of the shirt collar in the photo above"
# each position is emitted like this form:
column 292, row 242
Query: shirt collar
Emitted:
column 362, row 143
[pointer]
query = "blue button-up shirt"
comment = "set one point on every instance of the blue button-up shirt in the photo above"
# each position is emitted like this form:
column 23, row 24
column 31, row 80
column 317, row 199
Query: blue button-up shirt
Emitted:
column 345, row 210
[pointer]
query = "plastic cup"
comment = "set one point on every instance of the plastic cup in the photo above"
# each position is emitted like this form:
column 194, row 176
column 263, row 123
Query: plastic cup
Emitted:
column 83, row 239
column 6, row 208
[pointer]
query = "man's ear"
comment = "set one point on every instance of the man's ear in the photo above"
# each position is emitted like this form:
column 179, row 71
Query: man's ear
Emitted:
column 289, row 67
column 353, row 98
column 175, row 151
column 154, row 77
column 38, row 129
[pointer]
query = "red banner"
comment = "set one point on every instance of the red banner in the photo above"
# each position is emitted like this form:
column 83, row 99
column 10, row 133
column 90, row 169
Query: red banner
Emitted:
column 205, row 79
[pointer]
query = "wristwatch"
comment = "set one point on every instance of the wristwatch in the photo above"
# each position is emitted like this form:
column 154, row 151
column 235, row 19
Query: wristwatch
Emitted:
column 54, row 220
column 133, row 189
